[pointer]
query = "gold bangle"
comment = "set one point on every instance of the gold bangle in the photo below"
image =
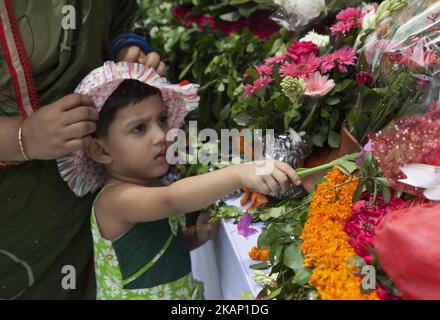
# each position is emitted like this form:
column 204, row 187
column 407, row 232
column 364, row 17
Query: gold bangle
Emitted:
column 20, row 142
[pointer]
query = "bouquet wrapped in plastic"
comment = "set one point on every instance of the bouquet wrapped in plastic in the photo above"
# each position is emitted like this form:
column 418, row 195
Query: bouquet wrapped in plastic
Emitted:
column 299, row 15
column 401, row 57
column 410, row 148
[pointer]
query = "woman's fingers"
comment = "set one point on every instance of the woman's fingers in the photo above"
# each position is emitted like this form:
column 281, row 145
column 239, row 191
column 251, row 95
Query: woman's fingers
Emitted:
column 129, row 54
column 79, row 130
column 162, row 70
column 73, row 101
column 152, row 60
column 80, row 114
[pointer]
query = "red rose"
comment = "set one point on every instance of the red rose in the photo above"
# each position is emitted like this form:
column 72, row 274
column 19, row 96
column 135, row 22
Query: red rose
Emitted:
column 299, row 49
column 364, row 78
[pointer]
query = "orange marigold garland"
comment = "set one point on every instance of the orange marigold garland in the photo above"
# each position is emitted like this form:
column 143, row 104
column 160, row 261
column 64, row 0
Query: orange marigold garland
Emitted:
column 259, row 254
column 325, row 244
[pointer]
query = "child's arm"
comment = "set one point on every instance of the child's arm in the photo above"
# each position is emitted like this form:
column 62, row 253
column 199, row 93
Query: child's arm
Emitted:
column 131, row 203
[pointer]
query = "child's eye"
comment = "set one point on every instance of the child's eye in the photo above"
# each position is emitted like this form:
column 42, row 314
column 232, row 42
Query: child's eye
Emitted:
column 140, row 128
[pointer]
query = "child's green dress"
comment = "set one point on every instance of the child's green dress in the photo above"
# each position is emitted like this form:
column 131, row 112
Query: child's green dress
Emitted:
column 150, row 261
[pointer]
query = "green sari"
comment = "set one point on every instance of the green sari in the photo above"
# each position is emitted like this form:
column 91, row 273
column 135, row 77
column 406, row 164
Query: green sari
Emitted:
column 43, row 225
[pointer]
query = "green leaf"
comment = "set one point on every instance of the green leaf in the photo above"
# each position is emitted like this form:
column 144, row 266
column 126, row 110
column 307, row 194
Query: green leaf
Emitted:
column 231, row 16
column 334, row 139
column 250, row 48
column 386, row 194
column 275, row 46
column 273, row 213
column 347, row 166
column 332, row 101
column 221, row 87
column 185, row 71
column 253, row 74
column 260, row 266
column 342, row 85
column 383, row 181
column 275, row 293
column 275, row 253
column 267, row 237
column 334, row 117
column 325, row 113
column 302, row 276
column 318, row 139
column 359, row 190
column 293, row 257
column 226, row 111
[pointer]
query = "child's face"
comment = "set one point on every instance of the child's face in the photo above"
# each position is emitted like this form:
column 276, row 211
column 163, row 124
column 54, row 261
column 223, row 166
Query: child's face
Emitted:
column 136, row 141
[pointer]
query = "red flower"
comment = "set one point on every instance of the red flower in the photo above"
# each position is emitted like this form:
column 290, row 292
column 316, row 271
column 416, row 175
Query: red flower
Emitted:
column 364, row 78
column 208, row 21
column 340, row 58
column 258, row 84
column 362, row 224
column 304, row 67
column 300, row 49
column 183, row 83
column 264, row 70
column 432, row 157
column 270, row 62
column 261, row 25
column 180, row 12
column 348, row 19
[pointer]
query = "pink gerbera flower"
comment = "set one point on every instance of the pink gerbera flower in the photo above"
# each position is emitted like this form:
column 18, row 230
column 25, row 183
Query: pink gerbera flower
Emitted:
column 270, row 62
column 304, row 67
column 264, row 70
column 351, row 14
column 347, row 20
column 340, row 58
column 261, row 83
column 318, row 85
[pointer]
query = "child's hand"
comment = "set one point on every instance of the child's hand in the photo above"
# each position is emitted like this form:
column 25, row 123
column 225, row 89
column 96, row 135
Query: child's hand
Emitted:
column 201, row 232
column 268, row 176
column 59, row 128
column 134, row 54
column 204, row 230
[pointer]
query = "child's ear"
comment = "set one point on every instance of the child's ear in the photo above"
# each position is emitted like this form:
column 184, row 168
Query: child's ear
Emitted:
column 96, row 151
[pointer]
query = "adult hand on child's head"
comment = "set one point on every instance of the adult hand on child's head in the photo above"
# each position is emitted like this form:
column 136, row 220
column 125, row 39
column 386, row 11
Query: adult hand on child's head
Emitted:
column 60, row 128
column 134, row 54
column 268, row 176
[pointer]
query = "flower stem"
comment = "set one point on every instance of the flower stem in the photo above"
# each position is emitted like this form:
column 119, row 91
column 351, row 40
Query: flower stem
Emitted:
column 310, row 116
column 306, row 172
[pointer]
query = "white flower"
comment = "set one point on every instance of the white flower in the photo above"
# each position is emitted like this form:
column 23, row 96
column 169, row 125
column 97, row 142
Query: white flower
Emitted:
column 161, row 293
column 108, row 255
column 306, row 9
column 99, row 259
column 423, row 176
column 111, row 286
column 182, row 293
column 320, row 40
column 262, row 278
column 96, row 236
column 369, row 21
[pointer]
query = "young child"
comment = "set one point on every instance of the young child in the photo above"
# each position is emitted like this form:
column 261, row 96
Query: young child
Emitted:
column 139, row 252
